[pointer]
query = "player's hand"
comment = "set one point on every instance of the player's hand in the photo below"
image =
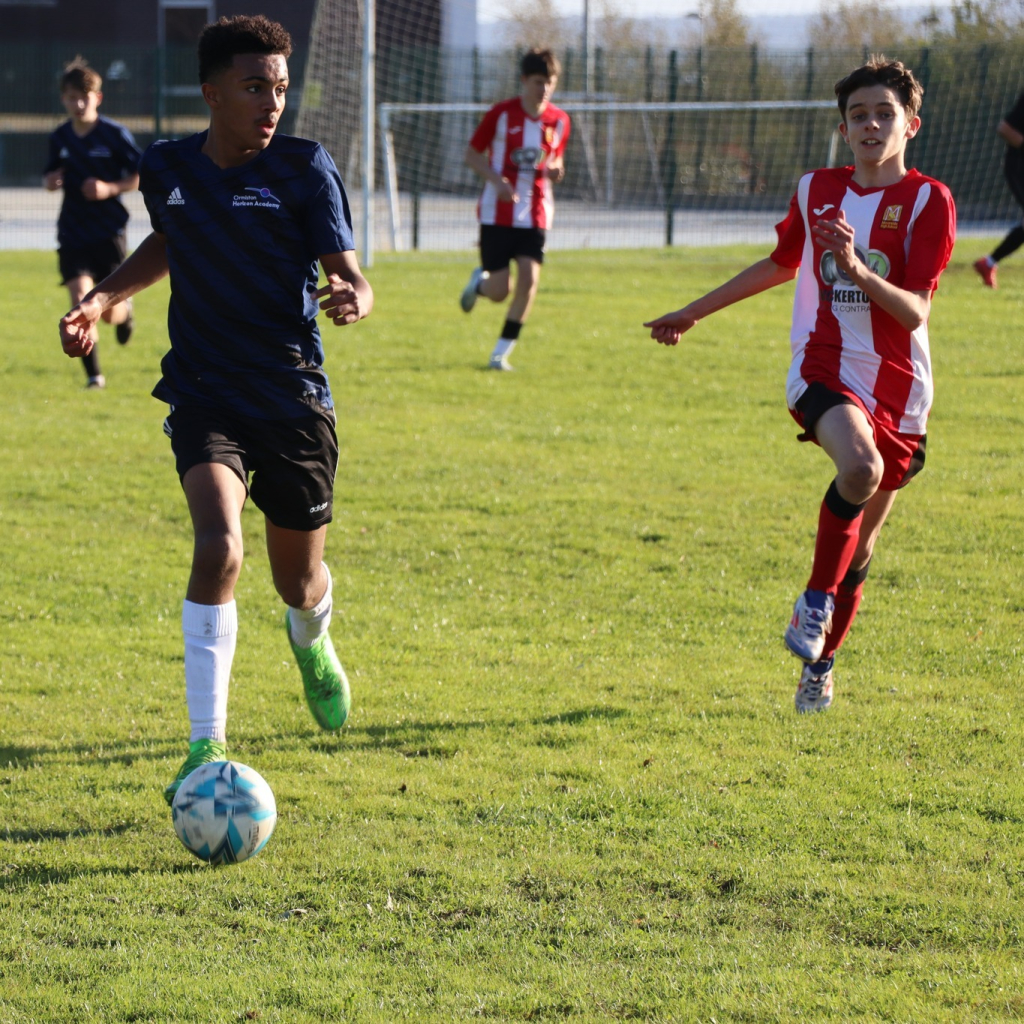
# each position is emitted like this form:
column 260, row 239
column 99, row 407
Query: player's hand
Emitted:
column 341, row 300
column 94, row 189
column 54, row 180
column 668, row 329
column 836, row 236
column 76, row 334
column 555, row 171
column 506, row 192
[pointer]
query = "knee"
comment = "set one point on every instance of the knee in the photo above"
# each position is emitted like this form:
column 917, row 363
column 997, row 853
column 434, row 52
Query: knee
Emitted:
column 218, row 555
column 497, row 288
column 861, row 479
column 300, row 590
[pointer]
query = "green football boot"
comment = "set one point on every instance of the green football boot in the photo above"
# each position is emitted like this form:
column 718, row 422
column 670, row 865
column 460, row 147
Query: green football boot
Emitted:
column 323, row 679
column 200, row 752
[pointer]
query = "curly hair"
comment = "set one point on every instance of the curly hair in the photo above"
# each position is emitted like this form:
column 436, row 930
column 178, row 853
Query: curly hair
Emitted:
column 879, row 70
column 78, row 75
column 220, row 42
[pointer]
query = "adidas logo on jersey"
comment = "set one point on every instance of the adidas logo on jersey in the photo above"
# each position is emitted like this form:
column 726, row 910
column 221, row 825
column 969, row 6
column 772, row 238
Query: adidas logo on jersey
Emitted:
column 174, row 199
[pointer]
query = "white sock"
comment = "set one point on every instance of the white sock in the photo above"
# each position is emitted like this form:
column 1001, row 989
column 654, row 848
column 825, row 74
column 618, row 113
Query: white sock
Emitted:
column 991, row 262
column 307, row 625
column 502, row 348
column 210, row 631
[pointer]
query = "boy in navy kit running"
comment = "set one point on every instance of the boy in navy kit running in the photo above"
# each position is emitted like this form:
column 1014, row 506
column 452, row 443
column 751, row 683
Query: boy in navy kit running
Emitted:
column 240, row 217
column 869, row 242
column 94, row 160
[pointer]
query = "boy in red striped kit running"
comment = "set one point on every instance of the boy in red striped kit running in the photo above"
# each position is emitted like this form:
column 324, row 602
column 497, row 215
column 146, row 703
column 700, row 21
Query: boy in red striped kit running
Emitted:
column 518, row 150
column 870, row 242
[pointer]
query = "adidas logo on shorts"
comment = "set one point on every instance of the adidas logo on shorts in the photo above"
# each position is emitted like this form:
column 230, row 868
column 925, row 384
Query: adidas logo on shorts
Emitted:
column 174, row 199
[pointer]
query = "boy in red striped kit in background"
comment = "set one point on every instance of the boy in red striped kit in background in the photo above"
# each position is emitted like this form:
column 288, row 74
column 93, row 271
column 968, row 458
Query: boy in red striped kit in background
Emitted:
column 518, row 150
column 870, row 242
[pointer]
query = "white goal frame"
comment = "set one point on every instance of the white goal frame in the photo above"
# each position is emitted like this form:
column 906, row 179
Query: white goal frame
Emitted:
column 609, row 108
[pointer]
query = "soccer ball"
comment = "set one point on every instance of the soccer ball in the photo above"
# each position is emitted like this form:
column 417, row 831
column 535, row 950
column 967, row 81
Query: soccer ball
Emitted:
column 224, row 812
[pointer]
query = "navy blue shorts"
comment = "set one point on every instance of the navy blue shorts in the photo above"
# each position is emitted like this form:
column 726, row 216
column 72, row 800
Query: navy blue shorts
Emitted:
column 97, row 261
column 291, row 463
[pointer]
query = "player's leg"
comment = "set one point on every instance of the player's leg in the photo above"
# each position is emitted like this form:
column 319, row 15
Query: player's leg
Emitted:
column 491, row 278
column 526, row 247
column 845, row 433
column 215, row 494
column 496, row 285
column 986, row 266
column 78, row 286
column 304, row 583
column 814, row 690
column 293, row 485
column 851, row 587
column 113, row 253
column 527, row 282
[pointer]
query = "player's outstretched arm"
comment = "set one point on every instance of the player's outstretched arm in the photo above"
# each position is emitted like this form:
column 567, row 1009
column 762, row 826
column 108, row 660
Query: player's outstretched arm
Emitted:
column 145, row 266
column 347, row 296
column 759, row 277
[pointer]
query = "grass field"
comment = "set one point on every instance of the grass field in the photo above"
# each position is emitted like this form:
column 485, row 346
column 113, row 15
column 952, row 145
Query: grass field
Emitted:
column 573, row 785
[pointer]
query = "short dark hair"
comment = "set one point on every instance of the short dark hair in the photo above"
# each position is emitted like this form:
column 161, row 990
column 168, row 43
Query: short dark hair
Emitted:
column 222, row 41
column 879, row 70
column 539, row 62
column 78, row 75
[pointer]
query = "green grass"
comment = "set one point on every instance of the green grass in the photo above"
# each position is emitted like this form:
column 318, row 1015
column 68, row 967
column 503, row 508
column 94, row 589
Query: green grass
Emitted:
column 573, row 785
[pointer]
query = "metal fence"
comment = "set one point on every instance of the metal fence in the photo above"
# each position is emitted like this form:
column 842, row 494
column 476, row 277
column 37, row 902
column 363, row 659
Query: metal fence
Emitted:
column 716, row 166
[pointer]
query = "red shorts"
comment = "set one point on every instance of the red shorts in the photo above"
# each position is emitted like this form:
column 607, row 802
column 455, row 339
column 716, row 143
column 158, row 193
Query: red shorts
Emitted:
column 903, row 455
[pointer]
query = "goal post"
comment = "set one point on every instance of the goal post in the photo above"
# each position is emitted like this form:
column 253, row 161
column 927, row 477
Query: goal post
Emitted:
column 624, row 158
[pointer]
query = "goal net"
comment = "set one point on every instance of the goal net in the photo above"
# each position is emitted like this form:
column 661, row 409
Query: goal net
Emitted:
column 637, row 174
column 668, row 146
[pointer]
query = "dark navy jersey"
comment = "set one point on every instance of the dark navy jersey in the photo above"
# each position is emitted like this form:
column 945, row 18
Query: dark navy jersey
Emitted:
column 108, row 153
column 242, row 247
column 1015, row 117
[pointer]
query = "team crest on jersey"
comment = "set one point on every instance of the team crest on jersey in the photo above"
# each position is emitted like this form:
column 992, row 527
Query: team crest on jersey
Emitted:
column 263, row 197
column 100, row 153
column 527, row 156
column 831, row 273
column 891, row 217
column 841, row 292
column 549, row 134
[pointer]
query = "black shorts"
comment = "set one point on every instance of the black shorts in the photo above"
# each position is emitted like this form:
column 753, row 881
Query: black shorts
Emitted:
column 499, row 245
column 903, row 455
column 292, row 462
column 97, row 261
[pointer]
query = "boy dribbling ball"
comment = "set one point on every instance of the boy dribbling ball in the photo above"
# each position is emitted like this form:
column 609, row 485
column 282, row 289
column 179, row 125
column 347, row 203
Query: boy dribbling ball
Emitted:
column 867, row 245
column 241, row 215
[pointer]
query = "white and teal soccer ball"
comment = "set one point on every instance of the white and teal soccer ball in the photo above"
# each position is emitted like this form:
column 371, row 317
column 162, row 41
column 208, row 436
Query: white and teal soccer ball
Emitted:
column 224, row 812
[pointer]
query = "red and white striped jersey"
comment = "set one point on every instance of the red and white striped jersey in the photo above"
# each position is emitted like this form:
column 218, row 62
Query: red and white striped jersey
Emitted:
column 520, row 150
column 904, row 233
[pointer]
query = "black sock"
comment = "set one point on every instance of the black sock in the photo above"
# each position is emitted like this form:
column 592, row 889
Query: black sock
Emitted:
column 510, row 332
column 1011, row 243
column 91, row 362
